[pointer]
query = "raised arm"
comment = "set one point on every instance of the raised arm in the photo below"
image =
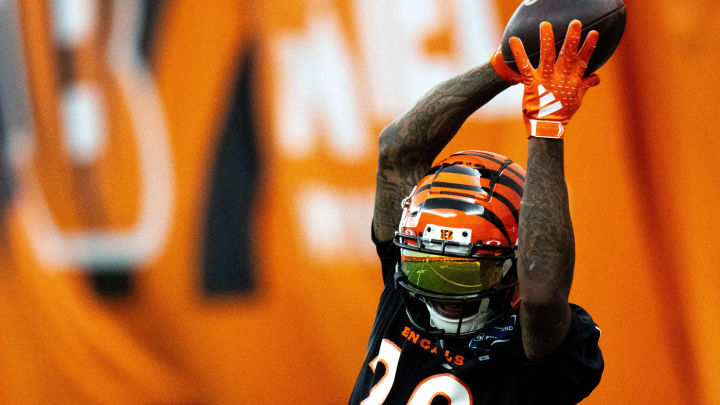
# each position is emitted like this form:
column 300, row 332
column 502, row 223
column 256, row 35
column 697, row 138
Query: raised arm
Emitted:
column 409, row 144
column 546, row 257
column 546, row 246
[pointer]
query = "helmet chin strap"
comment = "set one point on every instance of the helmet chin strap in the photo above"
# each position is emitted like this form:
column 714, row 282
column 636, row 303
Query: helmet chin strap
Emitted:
column 468, row 324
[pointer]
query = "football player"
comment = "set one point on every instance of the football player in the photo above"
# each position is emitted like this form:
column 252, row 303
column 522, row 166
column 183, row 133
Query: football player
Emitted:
column 477, row 255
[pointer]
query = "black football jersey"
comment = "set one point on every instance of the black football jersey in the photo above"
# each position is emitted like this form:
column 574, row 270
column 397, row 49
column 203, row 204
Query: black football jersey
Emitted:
column 404, row 365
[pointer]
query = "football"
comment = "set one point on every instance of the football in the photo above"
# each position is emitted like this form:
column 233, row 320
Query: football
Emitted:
column 607, row 17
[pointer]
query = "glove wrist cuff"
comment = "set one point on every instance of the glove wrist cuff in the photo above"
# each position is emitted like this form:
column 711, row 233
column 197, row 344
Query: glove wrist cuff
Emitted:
column 545, row 129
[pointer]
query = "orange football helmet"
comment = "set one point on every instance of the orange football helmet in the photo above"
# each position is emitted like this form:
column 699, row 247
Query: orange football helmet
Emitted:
column 458, row 237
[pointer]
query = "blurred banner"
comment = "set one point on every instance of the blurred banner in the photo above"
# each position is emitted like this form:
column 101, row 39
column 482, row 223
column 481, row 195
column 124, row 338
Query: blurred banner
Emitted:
column 186, row 192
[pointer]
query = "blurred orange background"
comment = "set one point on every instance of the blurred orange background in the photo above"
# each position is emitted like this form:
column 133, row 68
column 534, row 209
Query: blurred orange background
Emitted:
column 147, row 143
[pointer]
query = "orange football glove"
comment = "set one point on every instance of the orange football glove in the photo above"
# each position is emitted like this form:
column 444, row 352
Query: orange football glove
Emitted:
column 502, row 69
column 554, row 91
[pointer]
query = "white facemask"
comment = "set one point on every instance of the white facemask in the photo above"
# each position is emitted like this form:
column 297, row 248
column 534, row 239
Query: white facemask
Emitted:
column 469, row 324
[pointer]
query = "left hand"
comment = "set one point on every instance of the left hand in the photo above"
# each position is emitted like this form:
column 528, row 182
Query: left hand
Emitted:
column 554, row 91
column 502, row 69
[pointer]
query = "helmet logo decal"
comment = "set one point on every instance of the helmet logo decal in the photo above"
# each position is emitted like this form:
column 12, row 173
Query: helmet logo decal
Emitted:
column 461, row 235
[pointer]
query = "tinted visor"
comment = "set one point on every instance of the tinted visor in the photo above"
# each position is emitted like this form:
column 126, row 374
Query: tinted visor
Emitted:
column 451, row 275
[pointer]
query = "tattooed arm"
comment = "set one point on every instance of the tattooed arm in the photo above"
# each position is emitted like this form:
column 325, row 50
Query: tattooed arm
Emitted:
column 546, row 245
column 409, row 144
column 546, row 257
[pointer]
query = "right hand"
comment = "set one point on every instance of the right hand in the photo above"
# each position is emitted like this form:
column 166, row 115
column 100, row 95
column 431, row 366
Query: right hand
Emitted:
column 555, row 90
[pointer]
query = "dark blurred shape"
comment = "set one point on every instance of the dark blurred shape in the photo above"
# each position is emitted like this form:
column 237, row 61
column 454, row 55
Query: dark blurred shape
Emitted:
column 152, row 11
column 228, row 260
column 6, row 186
column 117, row 284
